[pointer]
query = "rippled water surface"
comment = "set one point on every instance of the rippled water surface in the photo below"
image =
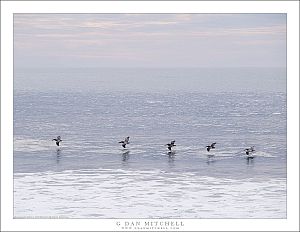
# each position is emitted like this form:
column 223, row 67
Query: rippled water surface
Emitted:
column 91, row 176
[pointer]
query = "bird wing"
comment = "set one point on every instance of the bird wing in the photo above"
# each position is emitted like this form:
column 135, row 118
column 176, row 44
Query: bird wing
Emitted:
column 126, row 140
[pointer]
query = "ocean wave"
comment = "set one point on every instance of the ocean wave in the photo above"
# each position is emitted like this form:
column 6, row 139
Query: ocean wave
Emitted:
column 27, row 145
column 118, row 193
column 263, row 154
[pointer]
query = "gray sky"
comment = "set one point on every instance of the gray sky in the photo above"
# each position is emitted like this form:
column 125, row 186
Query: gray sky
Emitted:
column 149, row 40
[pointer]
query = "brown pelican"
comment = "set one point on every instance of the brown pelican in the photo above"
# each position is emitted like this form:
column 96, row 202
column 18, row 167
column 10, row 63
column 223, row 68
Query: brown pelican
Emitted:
column 170, row 145
column 57, row 140
column 212, row 146
column 125, row 142
column 249, row 150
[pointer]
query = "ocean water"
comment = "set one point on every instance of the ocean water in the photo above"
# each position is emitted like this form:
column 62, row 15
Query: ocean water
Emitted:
column 91, row 176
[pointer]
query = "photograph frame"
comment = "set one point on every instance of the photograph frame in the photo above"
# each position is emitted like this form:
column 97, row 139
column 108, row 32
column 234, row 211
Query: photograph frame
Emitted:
column 121, row 224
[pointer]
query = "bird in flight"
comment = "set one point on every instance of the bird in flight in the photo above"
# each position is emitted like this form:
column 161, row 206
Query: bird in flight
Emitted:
column 57, row 140
column 170, row 145
column 212, row 146
column 125, row 142
column 249, row 150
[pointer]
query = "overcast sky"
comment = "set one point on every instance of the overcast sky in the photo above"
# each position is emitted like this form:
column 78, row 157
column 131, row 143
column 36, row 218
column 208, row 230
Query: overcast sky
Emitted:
column 149, row 40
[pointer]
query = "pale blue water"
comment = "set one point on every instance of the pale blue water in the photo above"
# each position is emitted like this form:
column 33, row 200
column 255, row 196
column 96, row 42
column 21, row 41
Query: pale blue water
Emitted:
column 92, row 176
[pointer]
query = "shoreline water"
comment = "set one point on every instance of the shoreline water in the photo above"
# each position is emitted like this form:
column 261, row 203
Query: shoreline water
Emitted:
column 91, row 176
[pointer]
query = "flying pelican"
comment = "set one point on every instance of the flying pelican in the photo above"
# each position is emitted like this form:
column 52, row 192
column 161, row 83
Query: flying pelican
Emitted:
column 57, row 140
column 170, row 145
column 212, row 146
column 125, row 142
column 249, row 150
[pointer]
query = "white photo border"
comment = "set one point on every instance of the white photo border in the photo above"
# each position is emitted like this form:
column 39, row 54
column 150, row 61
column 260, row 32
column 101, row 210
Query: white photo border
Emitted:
column 8, row 8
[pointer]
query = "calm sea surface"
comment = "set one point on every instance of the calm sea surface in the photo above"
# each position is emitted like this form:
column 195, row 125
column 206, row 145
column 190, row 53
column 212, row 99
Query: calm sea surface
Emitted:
column 91, row 176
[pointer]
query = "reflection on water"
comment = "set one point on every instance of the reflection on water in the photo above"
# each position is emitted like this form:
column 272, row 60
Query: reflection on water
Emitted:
column 210, row 160
column 58, row 155
column 250, row 160
column 125, row 155
column 171, row 158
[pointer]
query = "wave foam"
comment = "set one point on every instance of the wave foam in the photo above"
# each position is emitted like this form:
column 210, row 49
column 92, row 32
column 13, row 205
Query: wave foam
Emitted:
column 109, row 193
